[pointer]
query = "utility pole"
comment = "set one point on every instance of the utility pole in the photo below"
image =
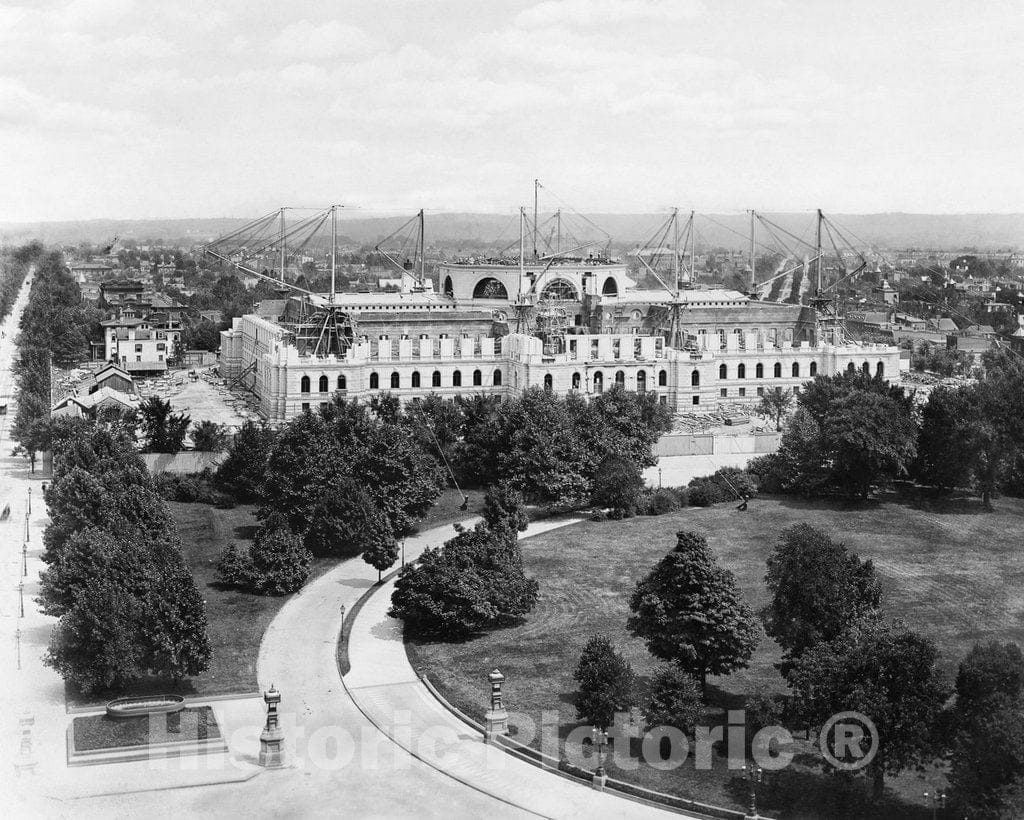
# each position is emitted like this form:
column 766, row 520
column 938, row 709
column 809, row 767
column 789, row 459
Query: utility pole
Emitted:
column 693, row 248
column 536, row 188
column 334, row 248
column 423, row 263
column 818, row 257
column 558, row 220
column 753, row 277
column 282, row 244
column 675, row 247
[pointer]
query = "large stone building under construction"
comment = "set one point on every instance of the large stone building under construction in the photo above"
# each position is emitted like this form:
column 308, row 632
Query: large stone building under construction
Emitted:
column 568, row 324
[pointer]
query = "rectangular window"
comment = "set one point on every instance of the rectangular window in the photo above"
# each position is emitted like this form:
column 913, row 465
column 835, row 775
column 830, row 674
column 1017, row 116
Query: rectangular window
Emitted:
column 696, row 399
column 305, row 406
column 138, row 358
column 760, row 391
column 663, row 399
column 160, row 357
column 138, row 348
column 161, row 346
column 725, row 392
column 743, row 391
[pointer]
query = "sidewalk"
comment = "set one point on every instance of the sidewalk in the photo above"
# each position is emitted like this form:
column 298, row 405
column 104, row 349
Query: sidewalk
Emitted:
column 385, row 687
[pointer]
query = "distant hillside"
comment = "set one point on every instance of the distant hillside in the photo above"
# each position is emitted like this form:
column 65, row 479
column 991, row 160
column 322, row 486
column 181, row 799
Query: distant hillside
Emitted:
column 896, row 230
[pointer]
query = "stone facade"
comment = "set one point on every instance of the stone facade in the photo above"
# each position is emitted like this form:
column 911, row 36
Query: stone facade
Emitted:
column 724, row 370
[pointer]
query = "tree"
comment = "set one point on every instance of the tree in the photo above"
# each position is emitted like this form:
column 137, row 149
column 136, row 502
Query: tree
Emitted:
column 775, row 405
column 209, row 437
column 475, row 581
column 179, row 645
column 617, row 485
column 280, row 562
column 987, row 764
column 382, row 550
column 164, row 431
column 674, row 700
column 504, row 505
column 945, row 451
column 95, row 644
column 850, row 433
column 690, row 611
column 243, row 472
column 818, row 591
column 606, row 682
column 989, row 672
column 883, row 671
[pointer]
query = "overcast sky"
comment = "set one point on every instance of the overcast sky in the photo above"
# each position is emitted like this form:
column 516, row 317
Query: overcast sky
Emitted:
column 133, row 108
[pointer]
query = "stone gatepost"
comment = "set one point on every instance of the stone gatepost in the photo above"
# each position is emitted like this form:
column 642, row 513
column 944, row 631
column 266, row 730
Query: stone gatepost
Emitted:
column 25, row 763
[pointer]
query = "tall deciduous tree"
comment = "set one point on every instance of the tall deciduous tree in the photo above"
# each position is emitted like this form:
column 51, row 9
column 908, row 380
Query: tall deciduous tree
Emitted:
column 243, row 472
column 690, row 611
column 818, row 589
column 606, row 681
column 209, row 437
column 883, row 671
column 775, row 404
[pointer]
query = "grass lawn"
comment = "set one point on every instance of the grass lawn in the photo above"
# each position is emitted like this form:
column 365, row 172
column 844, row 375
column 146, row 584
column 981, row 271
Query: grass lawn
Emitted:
column 949, row 570
column 103, row 732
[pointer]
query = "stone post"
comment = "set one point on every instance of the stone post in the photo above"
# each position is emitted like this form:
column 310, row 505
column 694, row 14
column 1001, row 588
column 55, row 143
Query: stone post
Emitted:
column 496, row 718
column 26, row 762
column 272, row 736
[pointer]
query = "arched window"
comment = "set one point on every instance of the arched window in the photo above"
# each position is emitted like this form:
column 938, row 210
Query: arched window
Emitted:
column 723, row 371
column 374, row 381
column 814, row 369
column 478, row 378
column 489, row 288
column 641, row 381
column 598, row 382
column 324, row 385
column 575, row 381
column 880, row 370
column 662, row 378
column 435, row 379
column 342, row 383
column 610, row 287
column 304, row 384
column 866, row 369
column 620, row 378
column 415, row 378
column 851, row 368
column 548, row 382
column 796, row 370
column 395, row 380
column 497, row 378
column 778, row 370
column 759, row 371
column 457, row 378
column 695, row 378
column 560, row 290
column 741, row 371
column 448, row 289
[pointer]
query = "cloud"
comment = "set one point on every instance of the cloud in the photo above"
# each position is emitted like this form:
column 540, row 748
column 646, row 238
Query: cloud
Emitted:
column 323, row 41
column 607, row 12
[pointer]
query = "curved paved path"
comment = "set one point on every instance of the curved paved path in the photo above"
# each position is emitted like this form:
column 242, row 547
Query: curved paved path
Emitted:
column 385, row 687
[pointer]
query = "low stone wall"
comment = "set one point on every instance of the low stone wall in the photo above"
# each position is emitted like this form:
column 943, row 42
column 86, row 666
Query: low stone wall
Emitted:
column 184, row 463
column 707, row 444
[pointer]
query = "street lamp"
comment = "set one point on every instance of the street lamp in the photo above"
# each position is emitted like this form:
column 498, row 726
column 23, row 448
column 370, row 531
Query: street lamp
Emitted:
column 403, row 553
column 659, row 478
column 30, row 501
column 21, row 598
column 754, row 775
column 937, row 799
column 17, row 637
column 24, row 560
column 600, row 739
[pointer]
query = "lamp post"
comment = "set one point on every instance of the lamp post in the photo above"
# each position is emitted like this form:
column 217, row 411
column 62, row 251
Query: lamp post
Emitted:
column 28, row 536
column 30, row 501
column 24, row 560
column 403, row 553
column 21, row 599
column 495, row 718
column 937, row 799
column 659, row 478
column 17, row 638
column 600, row 739
column 754, row 775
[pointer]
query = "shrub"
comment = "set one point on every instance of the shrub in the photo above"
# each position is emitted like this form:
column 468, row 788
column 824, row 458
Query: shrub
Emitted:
column 662, row 501
column 196, row 488
column 606, row 682
column 674, row 700
column 276, row 564
column 727, row 484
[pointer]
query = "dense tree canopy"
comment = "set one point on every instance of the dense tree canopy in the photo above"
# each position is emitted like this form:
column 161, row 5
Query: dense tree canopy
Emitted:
column 606, row 681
